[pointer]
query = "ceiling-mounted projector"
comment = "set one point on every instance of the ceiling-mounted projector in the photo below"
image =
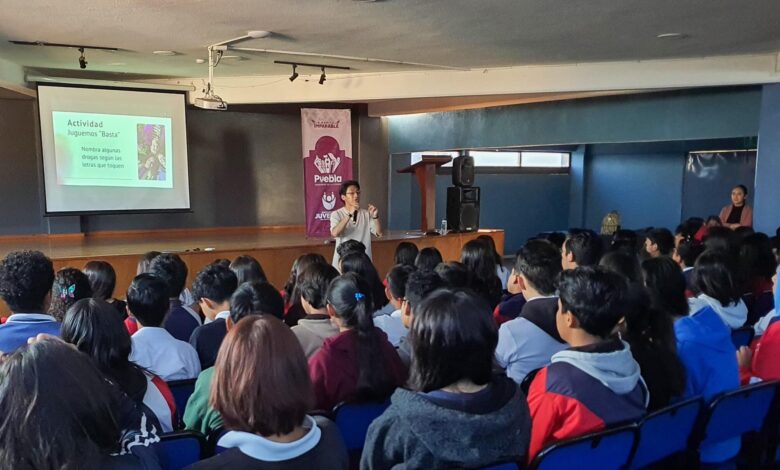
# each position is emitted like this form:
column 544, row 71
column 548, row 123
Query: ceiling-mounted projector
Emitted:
column 209, row 99
column 211, row 102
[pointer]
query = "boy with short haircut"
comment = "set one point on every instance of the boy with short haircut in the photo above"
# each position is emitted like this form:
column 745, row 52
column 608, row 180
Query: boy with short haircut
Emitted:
column 153, row 347
column 418, row 286
column 685, row 255
column 595, row 383
column 581, row 248
column 659, row 242
column 212, row 289
column 26, row 278
column 313, row 329
column 395, row 291
column 181, row 320
column 530, row 340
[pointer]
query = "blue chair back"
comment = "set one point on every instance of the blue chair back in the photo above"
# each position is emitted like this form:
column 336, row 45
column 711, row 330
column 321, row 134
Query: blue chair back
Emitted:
column 738, row 412
column 666, row 432
column 353, row 420
column 742, row 336
column 503, row 466
column 606, row 450
column 181, row 390
column 180, row 449
column 758, row 305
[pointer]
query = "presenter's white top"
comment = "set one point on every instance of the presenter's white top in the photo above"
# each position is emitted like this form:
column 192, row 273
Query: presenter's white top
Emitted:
column 359, row 230
column 157, row 351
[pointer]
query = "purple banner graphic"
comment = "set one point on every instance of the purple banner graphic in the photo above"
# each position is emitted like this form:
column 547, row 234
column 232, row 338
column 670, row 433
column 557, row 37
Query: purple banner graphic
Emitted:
column 327, row 162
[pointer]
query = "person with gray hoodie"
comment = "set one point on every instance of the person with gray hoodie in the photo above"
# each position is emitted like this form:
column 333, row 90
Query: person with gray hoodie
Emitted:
column 313, row 329
column 595, row 383
column 454, row 413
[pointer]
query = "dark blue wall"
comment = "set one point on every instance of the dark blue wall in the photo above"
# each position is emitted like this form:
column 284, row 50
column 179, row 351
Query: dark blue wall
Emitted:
column 766, row 215
column 644, row 181
column 683, row 115
column 646, row 189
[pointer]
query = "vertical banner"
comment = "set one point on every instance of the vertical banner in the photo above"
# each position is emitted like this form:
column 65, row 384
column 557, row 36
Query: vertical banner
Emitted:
column 327, row 162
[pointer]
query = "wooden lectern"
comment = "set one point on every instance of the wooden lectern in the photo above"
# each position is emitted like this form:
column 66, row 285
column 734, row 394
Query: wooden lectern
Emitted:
column 425, row 170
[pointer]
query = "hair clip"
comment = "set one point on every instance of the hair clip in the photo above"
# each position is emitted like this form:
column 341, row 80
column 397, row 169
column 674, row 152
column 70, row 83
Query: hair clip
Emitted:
column 359, row 296
column 68, row 292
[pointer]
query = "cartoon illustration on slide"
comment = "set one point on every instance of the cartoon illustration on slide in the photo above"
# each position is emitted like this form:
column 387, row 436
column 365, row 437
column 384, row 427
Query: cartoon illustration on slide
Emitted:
column 151, row 152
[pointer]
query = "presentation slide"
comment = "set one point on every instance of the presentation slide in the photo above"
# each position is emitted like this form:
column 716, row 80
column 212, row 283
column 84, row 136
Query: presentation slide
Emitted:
column 113, row 150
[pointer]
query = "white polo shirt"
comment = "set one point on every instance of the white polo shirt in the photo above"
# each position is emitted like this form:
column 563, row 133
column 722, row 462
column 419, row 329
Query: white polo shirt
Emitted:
column 163, row 355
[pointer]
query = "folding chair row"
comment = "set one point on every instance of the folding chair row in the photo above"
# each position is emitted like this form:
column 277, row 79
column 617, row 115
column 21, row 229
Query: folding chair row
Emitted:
column 680, row 430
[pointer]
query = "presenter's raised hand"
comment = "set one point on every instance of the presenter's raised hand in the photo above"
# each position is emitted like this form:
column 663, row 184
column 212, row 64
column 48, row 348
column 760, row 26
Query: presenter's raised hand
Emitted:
column 373, row 211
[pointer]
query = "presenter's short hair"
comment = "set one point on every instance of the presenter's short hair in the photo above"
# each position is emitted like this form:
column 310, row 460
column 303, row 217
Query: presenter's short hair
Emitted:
column 345, row 186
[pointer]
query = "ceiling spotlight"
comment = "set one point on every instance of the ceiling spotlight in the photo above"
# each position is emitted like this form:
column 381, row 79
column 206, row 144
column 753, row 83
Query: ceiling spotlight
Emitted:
column 322, row 77
column 294, row 74
column 82, row 59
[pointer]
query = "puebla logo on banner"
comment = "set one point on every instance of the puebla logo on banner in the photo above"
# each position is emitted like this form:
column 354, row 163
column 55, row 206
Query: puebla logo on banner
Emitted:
column 327, row 162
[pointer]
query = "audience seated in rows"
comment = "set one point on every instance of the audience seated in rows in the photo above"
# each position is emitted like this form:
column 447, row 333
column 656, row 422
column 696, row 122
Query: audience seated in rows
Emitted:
column 418, row 286
column 26, row 278
column 93, row 327
column 154, row 348
column 358, row 364
column 405, row 253
column 70, row 285
column 102, row 279
column 313, row 329
column 181, row 320
column 527, row 342
column 392, row 323
column 581, row 248
column 60, row 412
column 454, row 413
column 212, row 289
column 263, row 391
column 251, row 298
column 595, row 382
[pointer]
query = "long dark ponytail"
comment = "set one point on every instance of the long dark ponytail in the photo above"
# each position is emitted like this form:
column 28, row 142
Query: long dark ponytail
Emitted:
column 351, row 299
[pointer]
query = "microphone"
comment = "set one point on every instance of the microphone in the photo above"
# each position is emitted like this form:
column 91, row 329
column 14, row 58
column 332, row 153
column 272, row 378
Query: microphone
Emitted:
column 354, row 216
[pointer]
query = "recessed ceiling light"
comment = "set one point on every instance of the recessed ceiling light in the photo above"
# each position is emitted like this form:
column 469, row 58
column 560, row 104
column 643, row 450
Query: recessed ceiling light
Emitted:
column 200, row 61
column 258, row 34
column 672, row 36
column 233, row 57
column 167, row 53
column 117, row 64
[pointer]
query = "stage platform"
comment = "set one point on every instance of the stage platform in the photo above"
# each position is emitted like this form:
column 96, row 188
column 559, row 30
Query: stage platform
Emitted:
column 275, row 247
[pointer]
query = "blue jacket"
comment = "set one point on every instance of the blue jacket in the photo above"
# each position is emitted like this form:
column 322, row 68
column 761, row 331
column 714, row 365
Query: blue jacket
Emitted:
column 705, row 349
column 21, row 326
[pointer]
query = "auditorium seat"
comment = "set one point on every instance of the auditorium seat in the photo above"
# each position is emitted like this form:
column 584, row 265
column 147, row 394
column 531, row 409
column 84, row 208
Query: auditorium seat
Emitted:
column 666, row 432
column 181, row 390
column 736, row 413
column 742, row 336
column 610, row 449
column 180, row 449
